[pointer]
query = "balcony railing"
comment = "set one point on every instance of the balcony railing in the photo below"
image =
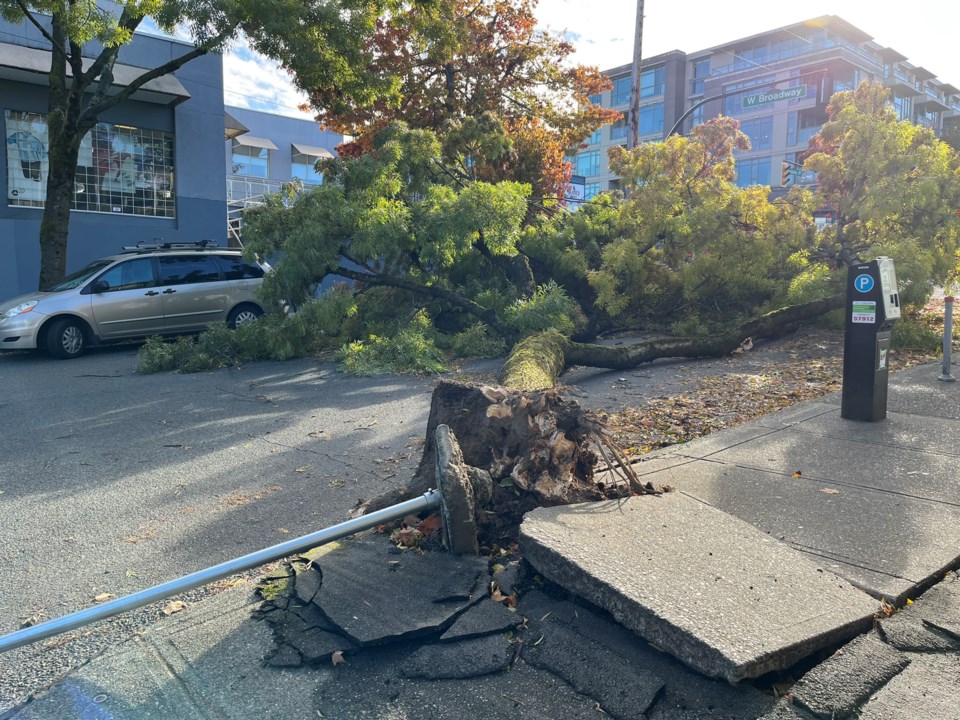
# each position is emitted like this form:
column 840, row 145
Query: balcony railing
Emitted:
column 743, row 64
column 241, row 188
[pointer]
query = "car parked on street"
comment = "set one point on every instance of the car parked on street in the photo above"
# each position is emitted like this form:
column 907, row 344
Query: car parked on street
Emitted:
column 149, row 289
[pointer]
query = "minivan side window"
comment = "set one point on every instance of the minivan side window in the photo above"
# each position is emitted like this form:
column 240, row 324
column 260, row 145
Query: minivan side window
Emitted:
column 236, row 268
column 129, row 275
column 184, row 269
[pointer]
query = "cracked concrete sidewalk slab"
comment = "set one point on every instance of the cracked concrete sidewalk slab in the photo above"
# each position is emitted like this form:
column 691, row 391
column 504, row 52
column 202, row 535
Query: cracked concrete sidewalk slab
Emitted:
column 373, row 593
column 712, row 590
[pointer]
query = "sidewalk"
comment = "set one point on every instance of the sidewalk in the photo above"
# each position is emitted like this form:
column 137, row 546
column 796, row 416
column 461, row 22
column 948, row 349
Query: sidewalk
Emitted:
column 877, row 504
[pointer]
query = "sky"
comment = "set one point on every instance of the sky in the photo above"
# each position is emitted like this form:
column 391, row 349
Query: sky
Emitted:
column 602, row 32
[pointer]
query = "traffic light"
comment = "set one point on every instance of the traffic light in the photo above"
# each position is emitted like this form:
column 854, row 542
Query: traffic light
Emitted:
column 786, row 173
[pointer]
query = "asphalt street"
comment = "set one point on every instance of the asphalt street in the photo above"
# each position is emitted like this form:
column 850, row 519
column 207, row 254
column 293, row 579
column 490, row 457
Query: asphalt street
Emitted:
column 111, row 481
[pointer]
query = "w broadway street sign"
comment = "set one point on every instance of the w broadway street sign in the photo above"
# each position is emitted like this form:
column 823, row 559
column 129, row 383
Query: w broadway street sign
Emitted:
column 794, row 93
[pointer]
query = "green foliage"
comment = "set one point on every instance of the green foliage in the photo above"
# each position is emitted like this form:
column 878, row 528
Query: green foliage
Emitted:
column 910, row 332
column 894, row 188
column 410, row 351
column 478, row 341
column 549, row 308
column 688, row 245
column 319, row 326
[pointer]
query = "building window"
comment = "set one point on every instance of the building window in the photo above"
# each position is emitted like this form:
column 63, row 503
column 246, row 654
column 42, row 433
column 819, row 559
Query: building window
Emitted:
column 618, row 131
column 596, row 99
column 588, row 163
column 755, row 171
column 250, row 161
column 304, row 167
column 903, row 106
column 620, row 95
column 701, row 71
column 652, row 82
column 760, row 132
column 594, row 138
column 696, row 117
column 591, row 190
column 651, row 119
column 120, row 168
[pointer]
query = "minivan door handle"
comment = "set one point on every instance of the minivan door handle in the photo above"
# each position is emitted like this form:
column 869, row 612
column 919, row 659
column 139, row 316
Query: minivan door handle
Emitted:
column 168, row 291
column 151, row 292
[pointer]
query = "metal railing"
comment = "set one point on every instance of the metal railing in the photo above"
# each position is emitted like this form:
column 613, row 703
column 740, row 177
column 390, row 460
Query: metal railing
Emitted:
column 58, row 626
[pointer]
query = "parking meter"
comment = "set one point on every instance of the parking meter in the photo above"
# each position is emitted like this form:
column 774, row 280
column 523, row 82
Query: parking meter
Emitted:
column 872, row 306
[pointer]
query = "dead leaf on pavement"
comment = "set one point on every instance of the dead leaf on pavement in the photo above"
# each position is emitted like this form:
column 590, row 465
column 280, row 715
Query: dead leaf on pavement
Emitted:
column 336, row 657
column 797, row 473
column 830, row 491
column 174, row 607
column 103, row 597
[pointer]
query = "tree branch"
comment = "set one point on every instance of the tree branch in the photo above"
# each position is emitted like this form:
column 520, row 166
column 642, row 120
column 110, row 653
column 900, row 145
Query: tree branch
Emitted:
column 95, row 108
column 466, row 304
column 57, row 48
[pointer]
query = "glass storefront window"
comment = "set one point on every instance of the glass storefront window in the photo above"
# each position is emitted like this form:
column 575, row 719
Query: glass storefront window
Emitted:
column 120, row 168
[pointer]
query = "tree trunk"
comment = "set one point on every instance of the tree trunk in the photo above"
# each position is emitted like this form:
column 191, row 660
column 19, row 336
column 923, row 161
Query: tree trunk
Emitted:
column 537, row 362
column 63, row 150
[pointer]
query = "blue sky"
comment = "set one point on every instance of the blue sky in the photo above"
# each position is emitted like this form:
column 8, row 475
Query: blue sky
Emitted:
column 602, row 32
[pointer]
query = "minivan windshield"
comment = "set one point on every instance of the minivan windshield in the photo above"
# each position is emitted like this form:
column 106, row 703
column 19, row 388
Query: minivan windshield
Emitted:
column 79, row 277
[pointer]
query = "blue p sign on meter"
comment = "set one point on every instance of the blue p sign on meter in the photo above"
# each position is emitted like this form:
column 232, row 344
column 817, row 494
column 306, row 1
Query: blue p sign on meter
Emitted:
column 863, row 283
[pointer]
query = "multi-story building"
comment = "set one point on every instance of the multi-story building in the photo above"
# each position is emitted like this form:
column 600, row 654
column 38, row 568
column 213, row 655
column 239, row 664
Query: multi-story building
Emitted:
column 152, row 168
column 148, row 169
column 264, row 150
column 776, row 83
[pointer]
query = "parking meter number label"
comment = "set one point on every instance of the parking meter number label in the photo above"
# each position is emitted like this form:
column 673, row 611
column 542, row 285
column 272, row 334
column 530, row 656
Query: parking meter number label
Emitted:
column 865, row 312
column 863, row 283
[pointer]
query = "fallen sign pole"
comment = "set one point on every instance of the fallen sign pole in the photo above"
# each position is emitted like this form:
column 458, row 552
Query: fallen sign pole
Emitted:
column 427, row 501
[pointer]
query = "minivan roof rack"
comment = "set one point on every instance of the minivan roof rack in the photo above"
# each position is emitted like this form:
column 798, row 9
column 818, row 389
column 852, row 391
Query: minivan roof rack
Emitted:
column 157, row 244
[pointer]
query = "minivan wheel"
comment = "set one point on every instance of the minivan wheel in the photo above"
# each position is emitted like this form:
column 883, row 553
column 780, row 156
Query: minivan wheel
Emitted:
column 66, row 339
column 242, row 315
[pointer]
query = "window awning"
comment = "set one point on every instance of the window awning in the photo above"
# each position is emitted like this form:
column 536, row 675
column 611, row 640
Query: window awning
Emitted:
column 312, row 151
column 257, row 142
column 32, row 65
column 233, row 127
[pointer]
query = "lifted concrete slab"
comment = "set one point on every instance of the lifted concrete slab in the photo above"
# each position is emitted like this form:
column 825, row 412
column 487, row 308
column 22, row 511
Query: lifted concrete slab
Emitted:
column 711, row 590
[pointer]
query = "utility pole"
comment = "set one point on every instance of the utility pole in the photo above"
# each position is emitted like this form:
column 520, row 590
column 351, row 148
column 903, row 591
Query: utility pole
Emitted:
column 635, row 87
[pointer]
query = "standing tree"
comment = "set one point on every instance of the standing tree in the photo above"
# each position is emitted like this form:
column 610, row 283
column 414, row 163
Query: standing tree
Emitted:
column 489, row 59
column 893, row 187
column 324, row 44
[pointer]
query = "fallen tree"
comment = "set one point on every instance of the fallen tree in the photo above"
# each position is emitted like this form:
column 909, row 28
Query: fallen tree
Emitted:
column 540, row 448
column 536, row 362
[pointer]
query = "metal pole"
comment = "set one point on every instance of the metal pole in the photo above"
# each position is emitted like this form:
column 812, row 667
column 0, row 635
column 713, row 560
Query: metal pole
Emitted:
column 635, row 80
column 428, row 500
column 945, row 375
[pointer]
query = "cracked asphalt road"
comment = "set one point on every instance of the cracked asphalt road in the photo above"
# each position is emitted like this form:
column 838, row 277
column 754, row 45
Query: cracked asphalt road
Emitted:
column 111, row 482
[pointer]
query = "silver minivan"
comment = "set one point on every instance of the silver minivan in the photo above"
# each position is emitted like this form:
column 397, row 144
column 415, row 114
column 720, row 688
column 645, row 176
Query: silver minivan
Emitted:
column 155, row 289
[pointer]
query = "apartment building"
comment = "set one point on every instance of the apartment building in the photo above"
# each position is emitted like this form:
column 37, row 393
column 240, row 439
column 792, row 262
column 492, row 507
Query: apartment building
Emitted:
column 776, row 83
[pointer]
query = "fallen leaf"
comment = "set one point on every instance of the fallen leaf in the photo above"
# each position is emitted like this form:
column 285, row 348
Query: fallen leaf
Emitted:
column 302, row 469
column 283, row 530
column 797, row 474
column 336, row 657
column 432, row 524
column 103, row 597
column 174, row 607
column 830, row 491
